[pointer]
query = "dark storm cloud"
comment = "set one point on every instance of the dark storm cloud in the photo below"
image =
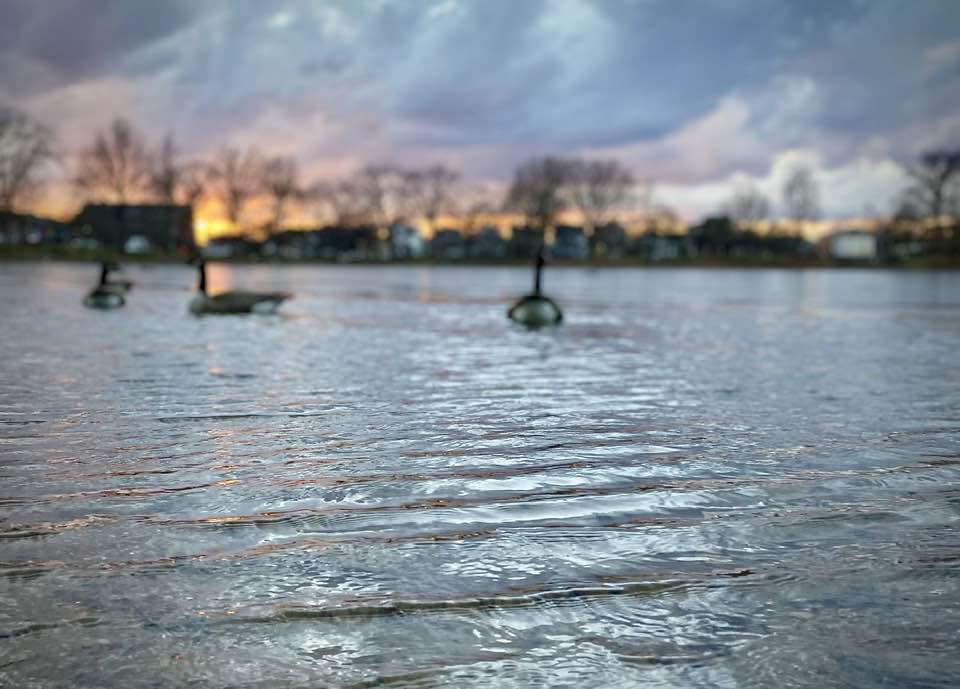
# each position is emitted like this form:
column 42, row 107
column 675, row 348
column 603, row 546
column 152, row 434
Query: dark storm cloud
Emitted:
column 641, row 71
column 897, row 68
column 64, row 40
column 490, row 81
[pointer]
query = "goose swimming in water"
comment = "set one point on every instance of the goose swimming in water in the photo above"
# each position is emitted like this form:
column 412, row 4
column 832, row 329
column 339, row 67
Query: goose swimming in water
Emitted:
column 120, row 287
column 536, row 309
column 233, row 302
column 105, row 295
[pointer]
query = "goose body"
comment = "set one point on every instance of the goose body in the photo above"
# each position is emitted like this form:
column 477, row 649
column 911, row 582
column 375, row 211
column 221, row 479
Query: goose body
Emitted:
column 99, row 298
column 238, row 302
column 106, row 295
column 536, row 309
column 233, row 302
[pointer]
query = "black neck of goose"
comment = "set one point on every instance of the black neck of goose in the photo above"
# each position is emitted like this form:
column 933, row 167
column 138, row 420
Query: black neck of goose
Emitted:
column 202, row 287
column 104, row 273
column 536, row 274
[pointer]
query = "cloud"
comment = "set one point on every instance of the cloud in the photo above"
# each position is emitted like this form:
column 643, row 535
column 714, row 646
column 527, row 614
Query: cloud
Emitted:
column 862, row 187
column 690, row 93
column 59, row 42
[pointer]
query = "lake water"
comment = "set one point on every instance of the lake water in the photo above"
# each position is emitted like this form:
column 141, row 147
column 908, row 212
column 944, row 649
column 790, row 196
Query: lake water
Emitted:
column 704, row 478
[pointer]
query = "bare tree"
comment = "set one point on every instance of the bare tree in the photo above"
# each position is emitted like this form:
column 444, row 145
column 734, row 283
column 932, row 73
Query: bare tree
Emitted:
column 280, row 181
column 381, row 194
column 432, row 191
column 26, row 147
column 748, row 206
column 801, row 198
column 236, row 179
column 936, row 187
column 173, row 182
column 597, row 187
column 192, row 182
column 661, row 219
column 377, row 187
column 165, row 173
column 340, row 201
column 475, row 216
column 116, row 166
column 537, row 190
column 406, row 193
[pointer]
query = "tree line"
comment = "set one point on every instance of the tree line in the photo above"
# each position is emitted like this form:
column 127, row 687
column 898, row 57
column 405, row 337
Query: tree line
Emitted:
column 120, row 166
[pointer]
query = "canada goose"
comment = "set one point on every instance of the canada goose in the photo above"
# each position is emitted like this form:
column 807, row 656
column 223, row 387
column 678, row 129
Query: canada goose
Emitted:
column 104, row 295
column 536, row 309
column 120, row 287
column 233, row 302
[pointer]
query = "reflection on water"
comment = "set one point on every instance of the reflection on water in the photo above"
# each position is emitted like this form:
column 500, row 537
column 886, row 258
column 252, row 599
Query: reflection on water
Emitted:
column 704, row 478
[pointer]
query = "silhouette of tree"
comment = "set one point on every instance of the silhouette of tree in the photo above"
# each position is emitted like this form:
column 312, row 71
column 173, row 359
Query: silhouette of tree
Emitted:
column 661, row 219
column 340, row 201
column 597, row 187
column 26, row 147
column 192, row 182
column 537, row 190
column 936, row 188
column 280, row 180
column 166, row 172
column 748, row 206
column 431, row 190
column 714, row 236
column 116, row 166
column 235, row 177
column 406, row 193
column 475, row 216
column 934, row 175
column 801, row 196
column 173, row 182
column 374, row 186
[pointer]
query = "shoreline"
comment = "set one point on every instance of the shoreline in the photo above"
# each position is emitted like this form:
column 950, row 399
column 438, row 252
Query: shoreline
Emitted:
column 21, row 254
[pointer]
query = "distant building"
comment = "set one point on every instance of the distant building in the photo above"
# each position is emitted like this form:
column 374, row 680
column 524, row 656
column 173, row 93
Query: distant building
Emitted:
column 666, row 247
column 570, row 242
column 165, row 227
column 230, row 247
column 291, row 244
column 20, row 228
column 525, row 242
column 448, row 244
column 487, row 243
column 899, row 246
column 344, row 243
column 852, row 245
column 405, row 241
column 608, row 241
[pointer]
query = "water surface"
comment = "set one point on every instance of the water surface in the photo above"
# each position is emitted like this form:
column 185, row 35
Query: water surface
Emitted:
column 704, row 478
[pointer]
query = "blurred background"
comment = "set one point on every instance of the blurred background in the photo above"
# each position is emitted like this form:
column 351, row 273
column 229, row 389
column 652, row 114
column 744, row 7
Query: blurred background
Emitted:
column 800, row 133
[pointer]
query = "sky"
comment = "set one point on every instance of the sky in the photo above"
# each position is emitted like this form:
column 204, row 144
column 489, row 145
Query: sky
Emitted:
column 697, row 97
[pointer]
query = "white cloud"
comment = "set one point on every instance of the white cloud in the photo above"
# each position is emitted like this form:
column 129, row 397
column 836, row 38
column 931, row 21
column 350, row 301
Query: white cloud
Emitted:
column 860, row 187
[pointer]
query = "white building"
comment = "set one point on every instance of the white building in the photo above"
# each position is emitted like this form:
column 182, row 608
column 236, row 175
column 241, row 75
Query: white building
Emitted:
column 217, row 248
column 405, row 241
column 853, row 245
